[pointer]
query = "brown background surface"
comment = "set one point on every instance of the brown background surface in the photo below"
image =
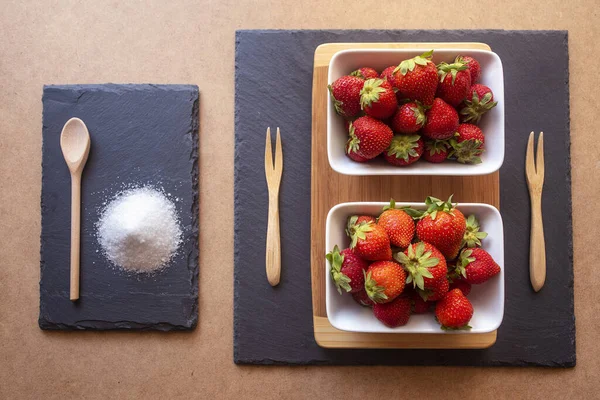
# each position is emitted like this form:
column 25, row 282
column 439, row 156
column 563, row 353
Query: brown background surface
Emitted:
column 64, row 42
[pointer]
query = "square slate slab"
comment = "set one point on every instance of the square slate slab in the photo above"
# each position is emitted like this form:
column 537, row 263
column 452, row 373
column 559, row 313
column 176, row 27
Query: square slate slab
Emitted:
column 141, row 135
column 274, row 325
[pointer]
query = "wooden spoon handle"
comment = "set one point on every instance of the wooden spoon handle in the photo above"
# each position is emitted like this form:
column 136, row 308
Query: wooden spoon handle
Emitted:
column 537, row 249
column 273, row 253
column 75, row 234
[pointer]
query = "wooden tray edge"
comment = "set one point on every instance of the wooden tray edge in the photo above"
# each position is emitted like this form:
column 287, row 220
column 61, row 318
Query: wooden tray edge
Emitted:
column 329, row 337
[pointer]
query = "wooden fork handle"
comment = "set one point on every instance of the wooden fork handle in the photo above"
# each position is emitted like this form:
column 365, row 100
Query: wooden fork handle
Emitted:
column 537, row 248
column 273, row 255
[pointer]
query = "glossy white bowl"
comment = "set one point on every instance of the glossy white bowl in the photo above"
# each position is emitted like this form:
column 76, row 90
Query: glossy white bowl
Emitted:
column 487, row 299
column 492, row 123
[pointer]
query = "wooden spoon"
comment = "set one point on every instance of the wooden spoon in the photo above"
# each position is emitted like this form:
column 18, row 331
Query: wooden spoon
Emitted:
column 75, row 145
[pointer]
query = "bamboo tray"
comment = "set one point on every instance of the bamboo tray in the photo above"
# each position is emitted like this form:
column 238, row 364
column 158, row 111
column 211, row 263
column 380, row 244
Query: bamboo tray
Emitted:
column 329, row 188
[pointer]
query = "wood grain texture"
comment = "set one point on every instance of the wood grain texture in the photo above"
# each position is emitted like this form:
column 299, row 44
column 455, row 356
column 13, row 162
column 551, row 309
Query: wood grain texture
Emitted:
column 75, row 145
column 329, row 188
column 534, row 169
column 273, row 176
column 330, row 337
column 75, row 234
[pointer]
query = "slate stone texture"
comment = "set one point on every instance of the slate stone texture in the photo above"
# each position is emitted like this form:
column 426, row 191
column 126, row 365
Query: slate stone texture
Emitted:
column 141, row 135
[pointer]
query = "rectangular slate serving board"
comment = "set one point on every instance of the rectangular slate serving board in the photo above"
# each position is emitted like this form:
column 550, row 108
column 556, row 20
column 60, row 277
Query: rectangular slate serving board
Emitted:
column 140, row 135
column 274, row 325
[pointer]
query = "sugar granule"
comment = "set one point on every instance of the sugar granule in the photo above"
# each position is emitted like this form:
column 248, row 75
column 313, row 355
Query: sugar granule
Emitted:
column 139, row 230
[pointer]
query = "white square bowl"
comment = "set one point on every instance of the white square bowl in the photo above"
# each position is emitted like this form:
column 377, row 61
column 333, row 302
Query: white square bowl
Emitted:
column 492, row 123
column 487, row 299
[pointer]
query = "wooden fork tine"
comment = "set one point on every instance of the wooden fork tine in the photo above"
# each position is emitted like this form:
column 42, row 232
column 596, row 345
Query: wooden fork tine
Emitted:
column 268, row 155
column 529, row 160
column 278, row 156
column 539, row 159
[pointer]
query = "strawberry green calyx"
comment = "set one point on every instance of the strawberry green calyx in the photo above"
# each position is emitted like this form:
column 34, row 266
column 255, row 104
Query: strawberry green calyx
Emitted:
column 336, row 103
column 434, row 205
column 476, row 107
column 390, row 206
column 357, row 231
column 336, row 259
column 353, row 143
column 464, row 259
column 437, row 146
column 467, row 151
column 404, row 146
column 350, row 225
column 410, row 64
column 417, row 263
column 415, row 214
column 419, row 113
column 370, row 92
column 374, row 291
column 357, row 74
column 473, row 236
column 460, row 328
column 444, row 69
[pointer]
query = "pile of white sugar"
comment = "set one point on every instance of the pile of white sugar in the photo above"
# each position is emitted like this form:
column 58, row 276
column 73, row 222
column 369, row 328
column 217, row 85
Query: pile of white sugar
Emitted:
column 139, row 230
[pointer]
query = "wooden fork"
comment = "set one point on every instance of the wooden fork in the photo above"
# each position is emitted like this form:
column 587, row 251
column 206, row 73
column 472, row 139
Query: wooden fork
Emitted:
column 535, row 181
column 273, row 174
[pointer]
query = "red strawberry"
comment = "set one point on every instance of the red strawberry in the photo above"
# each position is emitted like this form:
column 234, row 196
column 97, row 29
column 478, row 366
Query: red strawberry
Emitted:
column 455, row 83
column 416, row 79
column 365, row 218
column 347, row 270
column 473, row 65
column 369, row 240
column 369, row 137
column 345, row 93
column 362, row 298
column 404, row 150
column 442, row 120
column 395, row 313
column 476, row 265
column 454, row 311
column 365, row 73
column 467, row 145
column 436, row 151
column 443, row 226
column 436, row 290
column 419, row 306
column 398, row 225
column 384, row 281
column 354, row 220
column 479, row 101
column 354, row 156
column 409, row 118
column 473, row 236
column 423, row 263
column 377, row 98
column 388, row 74
column 462, row 285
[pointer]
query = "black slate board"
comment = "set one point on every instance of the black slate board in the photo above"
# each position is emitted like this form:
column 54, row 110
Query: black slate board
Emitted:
column 274, row 325
column 141, row 135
